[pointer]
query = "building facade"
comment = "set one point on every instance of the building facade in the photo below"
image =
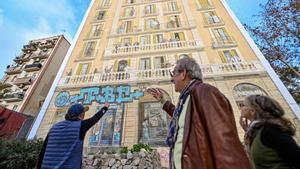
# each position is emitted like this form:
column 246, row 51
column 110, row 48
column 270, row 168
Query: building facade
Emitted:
column 28, row 79
column 125, row 47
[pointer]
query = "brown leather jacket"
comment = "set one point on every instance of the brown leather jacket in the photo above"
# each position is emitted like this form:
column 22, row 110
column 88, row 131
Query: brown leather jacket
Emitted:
column 210, row 136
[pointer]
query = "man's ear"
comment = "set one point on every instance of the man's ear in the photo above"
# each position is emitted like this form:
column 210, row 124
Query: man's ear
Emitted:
column 184, row 74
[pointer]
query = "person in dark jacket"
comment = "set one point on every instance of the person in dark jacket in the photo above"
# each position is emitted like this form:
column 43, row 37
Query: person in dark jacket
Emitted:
column 268, row 135
column 202, row 133
column 63, row 146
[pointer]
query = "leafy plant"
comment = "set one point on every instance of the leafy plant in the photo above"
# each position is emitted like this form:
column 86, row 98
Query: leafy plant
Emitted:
column 124, row 150
column 19, row 154
column 139, row 146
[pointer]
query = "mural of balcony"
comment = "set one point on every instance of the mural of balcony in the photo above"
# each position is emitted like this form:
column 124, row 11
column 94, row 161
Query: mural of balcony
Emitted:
column 164, row 27
column 23, row 81
column 33, row 67
column 154, row 75
column 29, row 48
column 224, row 42
column 154, row 48
column 13, row 70
column 48, row 44
column 13, row 96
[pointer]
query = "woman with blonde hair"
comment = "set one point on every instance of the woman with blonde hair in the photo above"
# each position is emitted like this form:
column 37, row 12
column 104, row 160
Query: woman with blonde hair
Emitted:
column 268, row 136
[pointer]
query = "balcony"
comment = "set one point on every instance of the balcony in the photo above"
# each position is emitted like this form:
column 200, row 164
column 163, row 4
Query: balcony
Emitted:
column 33, row 67
column 155, row 75
column 164, row 27
column 30, row 47
column 21, row 58
column 4, row 85
column 48, row 44
column 23, row 81
column 13, row 70
column 13, row 96
column 41, row 55
column 173, row 46
column 225, row 42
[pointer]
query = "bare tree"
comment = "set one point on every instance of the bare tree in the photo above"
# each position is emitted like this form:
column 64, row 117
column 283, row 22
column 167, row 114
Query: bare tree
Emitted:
column 278, row 37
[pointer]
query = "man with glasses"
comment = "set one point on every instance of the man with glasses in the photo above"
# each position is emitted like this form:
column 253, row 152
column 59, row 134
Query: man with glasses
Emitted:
column 202, row 131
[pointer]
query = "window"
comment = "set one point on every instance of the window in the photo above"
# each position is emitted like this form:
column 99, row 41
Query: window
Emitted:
column 221, row 35
column 159, row 62
column 174, row 22
column 152, row 24
column 101, row 15
column 83, row 69
column 129, row 1
column 158, row 38
column 229, row 56
column 123, row 64
column 150, row 9
column 145, row 40
column 172, row 6
column 154, row 124
column 211, row 17
column 126, row 41
column 128, row 12
column 106, row 3
column 89, row 50
column 178, row 36
column 96, row 30
column 145, row 63
column 108, row 131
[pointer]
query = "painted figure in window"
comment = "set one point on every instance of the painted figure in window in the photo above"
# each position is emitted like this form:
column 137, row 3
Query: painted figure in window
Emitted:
column 146, row 128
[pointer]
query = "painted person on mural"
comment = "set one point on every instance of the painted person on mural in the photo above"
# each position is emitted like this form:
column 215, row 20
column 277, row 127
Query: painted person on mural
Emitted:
column 202, row 132
column 269, row 135
column 63, row 145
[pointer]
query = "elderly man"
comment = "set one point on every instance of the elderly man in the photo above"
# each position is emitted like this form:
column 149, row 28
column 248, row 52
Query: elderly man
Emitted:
column 202, row 131
column 64, row 144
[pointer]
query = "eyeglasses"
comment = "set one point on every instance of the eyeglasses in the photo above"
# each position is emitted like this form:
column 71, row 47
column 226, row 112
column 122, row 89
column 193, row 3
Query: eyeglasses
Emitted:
column 174, row 73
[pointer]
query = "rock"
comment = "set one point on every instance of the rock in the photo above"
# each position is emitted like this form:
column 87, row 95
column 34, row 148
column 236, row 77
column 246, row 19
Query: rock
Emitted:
column 123, row 161
column 129, row 155
column 136, row 162
column 128, row 162
column 96, row 161
column 111, row 162
column 118, row 163
column 127, row 167
column 142, row 154
column 117, row 156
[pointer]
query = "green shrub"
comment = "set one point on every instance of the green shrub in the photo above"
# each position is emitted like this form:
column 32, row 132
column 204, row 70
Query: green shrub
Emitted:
column 19, row 154
column 124, row 150
column 138, row 147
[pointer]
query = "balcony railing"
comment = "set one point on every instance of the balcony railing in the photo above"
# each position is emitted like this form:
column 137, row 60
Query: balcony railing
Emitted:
column 4, row 85
column 41, row 55
column 13, row 70
column 22, row 58
column 158, row 47
column 13, row 96
column 227, row 41
column 47, row 44
column 168, row 26
column 33, row 67
column 151, row 75
column 29, row 48
column 23, row 81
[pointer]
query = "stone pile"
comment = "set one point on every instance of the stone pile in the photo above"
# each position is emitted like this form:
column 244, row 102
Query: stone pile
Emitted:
column 135, row 160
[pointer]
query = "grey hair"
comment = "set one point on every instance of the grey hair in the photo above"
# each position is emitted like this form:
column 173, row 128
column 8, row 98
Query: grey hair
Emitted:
column 191, row 66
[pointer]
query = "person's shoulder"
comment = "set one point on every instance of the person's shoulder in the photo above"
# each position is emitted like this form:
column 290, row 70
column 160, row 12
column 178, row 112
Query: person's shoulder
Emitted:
column 206, row 87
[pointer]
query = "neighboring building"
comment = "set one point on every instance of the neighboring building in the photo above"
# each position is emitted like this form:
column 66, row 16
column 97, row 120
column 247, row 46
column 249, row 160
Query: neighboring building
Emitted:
column 127, row 46
column 27, row 81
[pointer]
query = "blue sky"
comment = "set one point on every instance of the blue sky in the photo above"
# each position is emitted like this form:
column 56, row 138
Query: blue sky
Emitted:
column 24, row 20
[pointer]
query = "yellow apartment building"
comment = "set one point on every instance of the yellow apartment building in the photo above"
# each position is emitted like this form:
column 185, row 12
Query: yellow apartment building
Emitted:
column 125, row 46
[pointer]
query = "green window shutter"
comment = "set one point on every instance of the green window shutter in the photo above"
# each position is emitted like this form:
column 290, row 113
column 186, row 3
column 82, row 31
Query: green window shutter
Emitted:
column 79, row 69
column 223, row 58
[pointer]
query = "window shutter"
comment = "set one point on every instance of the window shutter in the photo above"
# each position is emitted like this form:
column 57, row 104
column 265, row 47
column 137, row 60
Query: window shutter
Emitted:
column 79, row 69
column 223, row 58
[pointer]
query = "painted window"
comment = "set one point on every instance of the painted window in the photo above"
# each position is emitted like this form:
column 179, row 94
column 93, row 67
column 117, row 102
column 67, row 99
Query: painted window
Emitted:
column 106, row 3
column 154, row 124
column 159, row 62
column 145, row 63
column 158, row 38
column 174, row 21
column 229, row 56
column 145, row 40
column 150, row 9
column 172, row 6
column 123, row 64
column 178, row 36
column 101, row 15
column 83, row 69
column 89, row 49
column 152, row 23
column 221, row 35
column 108, row 131
column 96, row 30
column 211, row 17
column 204, row 3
